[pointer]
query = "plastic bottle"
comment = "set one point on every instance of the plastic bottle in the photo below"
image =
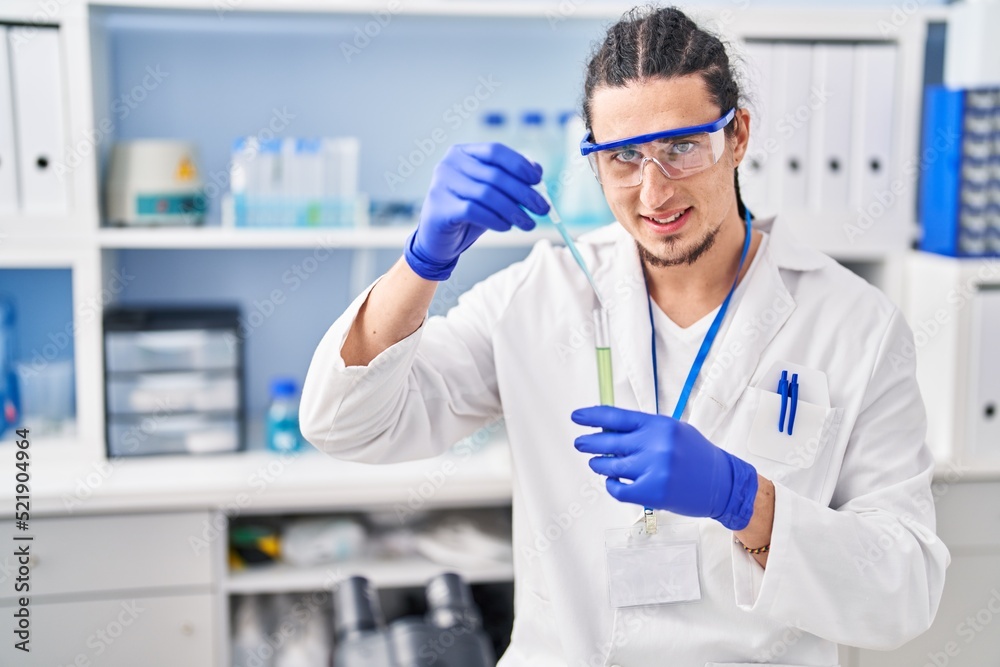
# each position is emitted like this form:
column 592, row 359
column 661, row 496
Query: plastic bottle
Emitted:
column 495, row 128
column 283, row 433
column 241, row 180
column 266, row 202
column 342, row 201
column 558, row 159
column 577, row 194
column 535, row 142
column 250, row 646
column 531, row 140
column 307, row 642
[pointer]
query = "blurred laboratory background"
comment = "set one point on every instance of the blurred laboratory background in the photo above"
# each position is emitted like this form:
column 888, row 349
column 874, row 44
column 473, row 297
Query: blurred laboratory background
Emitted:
column 191, row 191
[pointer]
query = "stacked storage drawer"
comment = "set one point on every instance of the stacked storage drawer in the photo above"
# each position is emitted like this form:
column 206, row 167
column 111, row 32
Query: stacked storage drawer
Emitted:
column 174, row 381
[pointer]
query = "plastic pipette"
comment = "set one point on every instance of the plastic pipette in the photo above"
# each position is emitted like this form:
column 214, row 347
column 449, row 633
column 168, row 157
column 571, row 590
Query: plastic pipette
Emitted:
column 604, row 374
column 557, row 221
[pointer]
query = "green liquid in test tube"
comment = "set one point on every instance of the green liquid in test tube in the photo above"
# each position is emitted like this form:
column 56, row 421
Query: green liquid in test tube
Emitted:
column 605, row 379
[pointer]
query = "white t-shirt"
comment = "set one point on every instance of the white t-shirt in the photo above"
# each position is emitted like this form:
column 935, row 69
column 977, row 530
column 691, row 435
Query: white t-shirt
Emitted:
column 677, row 346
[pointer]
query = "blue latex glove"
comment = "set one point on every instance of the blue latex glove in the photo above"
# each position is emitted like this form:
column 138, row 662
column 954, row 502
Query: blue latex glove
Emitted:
column 475, row 187
column 672, row 466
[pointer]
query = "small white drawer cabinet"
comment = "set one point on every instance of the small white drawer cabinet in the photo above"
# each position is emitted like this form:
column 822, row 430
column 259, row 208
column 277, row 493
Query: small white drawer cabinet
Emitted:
column 115, row 591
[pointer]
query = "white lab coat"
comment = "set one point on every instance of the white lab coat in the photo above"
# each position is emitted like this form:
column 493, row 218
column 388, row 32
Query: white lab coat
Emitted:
column 854, row 557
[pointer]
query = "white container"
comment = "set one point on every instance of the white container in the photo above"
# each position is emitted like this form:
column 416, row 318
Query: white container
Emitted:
column 295, row 182
column 154, row 182
column 47, row 395
column 309, row 542
column 340, row 157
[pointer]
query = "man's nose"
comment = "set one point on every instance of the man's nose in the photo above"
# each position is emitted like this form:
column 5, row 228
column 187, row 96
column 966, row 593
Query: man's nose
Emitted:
column 655, row 188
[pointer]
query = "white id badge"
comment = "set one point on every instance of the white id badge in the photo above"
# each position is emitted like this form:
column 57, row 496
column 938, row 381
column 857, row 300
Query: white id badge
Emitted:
column 663, row 568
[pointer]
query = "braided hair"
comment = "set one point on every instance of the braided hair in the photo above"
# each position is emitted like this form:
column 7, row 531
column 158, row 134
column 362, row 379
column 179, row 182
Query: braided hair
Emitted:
column 663, row 42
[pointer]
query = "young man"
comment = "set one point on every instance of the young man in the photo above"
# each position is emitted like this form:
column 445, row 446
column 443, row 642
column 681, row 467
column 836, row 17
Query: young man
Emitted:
column 724, row 337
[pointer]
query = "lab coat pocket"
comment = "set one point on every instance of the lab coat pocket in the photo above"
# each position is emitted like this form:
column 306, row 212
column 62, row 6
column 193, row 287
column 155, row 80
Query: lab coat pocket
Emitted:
column 814, row 427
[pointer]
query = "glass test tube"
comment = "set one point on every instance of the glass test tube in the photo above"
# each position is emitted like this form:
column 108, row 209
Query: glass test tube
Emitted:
column 602, row 337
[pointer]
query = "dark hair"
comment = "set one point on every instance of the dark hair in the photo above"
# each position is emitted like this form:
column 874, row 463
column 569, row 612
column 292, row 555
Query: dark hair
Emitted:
column 663, row 42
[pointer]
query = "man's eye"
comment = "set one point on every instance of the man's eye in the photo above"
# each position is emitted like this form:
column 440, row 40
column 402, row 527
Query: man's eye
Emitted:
column 625, row 155
column 682, row 148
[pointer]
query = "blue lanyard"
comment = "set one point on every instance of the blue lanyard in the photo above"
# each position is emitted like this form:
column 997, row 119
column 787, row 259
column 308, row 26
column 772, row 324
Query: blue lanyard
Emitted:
column 706, row 344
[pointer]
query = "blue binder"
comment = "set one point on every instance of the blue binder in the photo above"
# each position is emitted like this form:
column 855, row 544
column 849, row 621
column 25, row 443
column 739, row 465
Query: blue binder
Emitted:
column 959, row 203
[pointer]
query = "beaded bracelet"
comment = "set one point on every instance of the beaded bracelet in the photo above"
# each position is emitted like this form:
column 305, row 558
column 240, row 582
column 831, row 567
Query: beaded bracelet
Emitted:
column 759, row 550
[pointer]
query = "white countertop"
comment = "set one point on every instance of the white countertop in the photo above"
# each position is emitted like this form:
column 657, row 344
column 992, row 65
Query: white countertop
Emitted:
column 257, row 482
column 950, row 473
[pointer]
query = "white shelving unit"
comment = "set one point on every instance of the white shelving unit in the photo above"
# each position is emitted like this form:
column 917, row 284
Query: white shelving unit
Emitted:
column 398, row 573
column 391, row 238
column 79, row 242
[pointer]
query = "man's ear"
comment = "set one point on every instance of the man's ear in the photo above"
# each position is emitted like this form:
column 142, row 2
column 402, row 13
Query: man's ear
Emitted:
column 741, row 137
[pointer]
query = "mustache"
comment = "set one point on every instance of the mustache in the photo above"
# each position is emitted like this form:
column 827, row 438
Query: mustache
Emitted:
column 649, row 258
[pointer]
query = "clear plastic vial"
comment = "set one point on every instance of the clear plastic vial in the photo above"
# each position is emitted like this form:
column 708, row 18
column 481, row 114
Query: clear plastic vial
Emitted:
column 602, row 339
column 283, row 434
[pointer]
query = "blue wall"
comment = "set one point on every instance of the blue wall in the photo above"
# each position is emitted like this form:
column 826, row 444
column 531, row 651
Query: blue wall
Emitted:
column 43, row 301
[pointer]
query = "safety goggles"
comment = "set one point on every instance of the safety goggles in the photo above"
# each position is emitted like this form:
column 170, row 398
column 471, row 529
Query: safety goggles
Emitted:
column 678, row 153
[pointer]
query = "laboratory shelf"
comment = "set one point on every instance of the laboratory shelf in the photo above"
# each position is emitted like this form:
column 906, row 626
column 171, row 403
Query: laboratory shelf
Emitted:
column 52, row 438
column 770, row 22
column 863, row 255
column 406, row 572
column 44, row 249
column 480, row 8
column 476, row 473
column 372, row 237
column 23, row 226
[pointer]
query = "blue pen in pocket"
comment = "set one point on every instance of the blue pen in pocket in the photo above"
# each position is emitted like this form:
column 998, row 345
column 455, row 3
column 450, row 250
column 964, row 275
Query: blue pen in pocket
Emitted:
column 783, row 391
column 794, row 397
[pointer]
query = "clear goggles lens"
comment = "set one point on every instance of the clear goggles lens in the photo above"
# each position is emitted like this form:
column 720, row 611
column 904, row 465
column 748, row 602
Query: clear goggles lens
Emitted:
column 677, row 157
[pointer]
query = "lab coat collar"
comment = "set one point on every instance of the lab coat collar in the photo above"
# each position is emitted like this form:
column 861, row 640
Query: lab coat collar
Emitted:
column 788, row 252
column 763, row 309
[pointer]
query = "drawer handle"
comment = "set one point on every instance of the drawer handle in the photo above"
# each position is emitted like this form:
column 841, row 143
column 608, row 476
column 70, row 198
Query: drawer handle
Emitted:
column 173, row 341
column 187, row 629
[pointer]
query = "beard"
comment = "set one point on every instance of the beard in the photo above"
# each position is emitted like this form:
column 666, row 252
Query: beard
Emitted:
column 690, row 257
